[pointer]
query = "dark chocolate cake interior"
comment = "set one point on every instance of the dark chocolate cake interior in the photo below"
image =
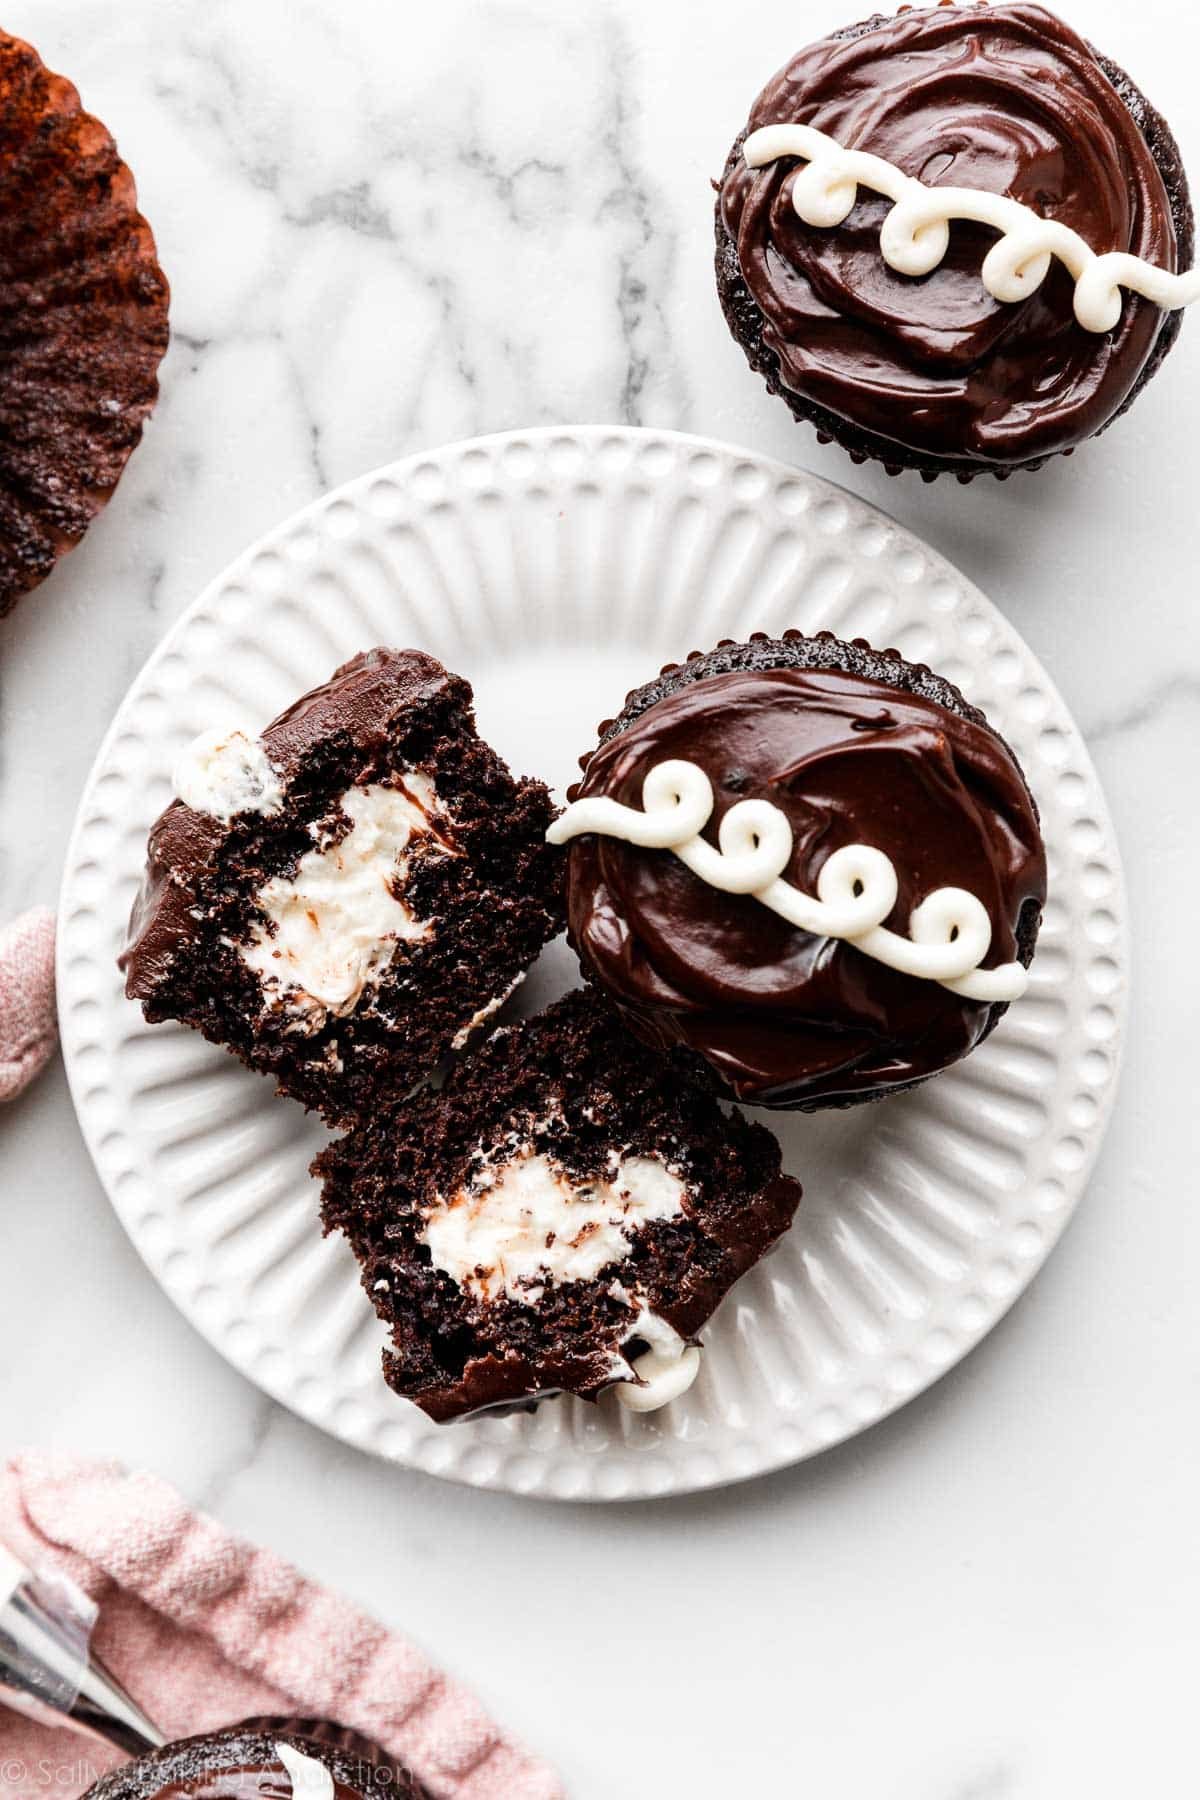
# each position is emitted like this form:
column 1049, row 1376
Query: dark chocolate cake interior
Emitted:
column 352, row 895
column 564, row 1208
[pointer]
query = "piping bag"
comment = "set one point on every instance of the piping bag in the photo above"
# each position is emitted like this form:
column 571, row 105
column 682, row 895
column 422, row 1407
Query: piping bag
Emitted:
column 47, row 1669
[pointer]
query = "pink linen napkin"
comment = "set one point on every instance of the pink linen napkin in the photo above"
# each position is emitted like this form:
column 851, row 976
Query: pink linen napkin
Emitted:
column 28, row 1028
column 205, row 1631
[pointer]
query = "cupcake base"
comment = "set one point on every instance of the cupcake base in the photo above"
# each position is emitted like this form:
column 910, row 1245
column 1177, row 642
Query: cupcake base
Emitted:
column 85, row 327
column 565, row 1209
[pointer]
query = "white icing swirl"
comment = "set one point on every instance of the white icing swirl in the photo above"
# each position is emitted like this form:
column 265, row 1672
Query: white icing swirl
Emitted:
column 310, row 1779
column 915, row 235
column 856, row 888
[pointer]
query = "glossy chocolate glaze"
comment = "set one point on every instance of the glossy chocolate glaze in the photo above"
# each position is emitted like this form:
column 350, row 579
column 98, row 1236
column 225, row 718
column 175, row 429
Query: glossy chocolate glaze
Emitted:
column 1005, row 98
column 242, row 1763
column 256, row 1783
column 784, row 1018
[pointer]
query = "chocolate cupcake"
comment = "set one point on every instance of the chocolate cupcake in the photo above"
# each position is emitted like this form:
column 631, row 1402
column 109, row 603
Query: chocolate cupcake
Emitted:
column 926, row 238
column 271, row 1762
column 564, row 1215
column 84, row 318
column 352, row 895
column 809, row 871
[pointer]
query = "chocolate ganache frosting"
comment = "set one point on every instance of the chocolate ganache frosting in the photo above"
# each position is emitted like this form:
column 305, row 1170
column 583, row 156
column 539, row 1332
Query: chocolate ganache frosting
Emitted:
column 263, row 1760
column 854, row 748
column 1003, row 98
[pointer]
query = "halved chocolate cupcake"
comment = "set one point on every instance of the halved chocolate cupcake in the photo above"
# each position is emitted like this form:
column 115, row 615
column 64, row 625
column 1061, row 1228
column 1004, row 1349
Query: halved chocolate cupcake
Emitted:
column 809, row 871
column 266, row 1762
column 352, row 895
column 564, row 1215
column 913, row 228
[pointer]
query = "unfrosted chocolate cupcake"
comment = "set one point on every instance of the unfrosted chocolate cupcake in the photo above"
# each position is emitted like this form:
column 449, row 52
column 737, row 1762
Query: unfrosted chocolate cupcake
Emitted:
column 263, row 1761
column 564, row 1215
column 84, row 318
column 931, row 371
column 351, row 896
column 808, row 871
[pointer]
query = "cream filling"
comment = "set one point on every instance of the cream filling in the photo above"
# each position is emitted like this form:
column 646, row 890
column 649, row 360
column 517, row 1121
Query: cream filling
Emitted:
column 663, row 1372
column 335, row 924
column 224, row 773
column 522, row 1224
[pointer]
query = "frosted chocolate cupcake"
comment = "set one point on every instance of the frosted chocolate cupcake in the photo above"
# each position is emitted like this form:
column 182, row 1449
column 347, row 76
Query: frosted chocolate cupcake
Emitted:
column 352, row 895
column 950, row 239
column 810, row 872
column 563, row 1216
column 262, row 1762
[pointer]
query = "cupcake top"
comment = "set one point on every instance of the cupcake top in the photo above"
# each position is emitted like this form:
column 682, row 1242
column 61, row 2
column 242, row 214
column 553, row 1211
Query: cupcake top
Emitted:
column 872, row 772
column 1005, row 100
column 259, row 1762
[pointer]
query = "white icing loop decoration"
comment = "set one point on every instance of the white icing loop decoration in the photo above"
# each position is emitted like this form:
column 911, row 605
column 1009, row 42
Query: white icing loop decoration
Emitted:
column 856, row 888
column 915, row 235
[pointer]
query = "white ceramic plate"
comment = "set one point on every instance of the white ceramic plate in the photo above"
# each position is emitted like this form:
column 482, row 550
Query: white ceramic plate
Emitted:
column 557, row 569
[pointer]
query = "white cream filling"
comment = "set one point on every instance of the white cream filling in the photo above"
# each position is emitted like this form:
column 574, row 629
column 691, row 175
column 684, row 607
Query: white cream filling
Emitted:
column 338, row 920
column 225, row 773
column 310, row 1779
column 664, row 1371
column 521, row 1224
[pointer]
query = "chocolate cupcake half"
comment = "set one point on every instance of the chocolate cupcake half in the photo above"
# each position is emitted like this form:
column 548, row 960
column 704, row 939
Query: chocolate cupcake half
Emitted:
column 951, row 239
column 284, row 1762
column 808, row 871
column 352, row 895
column 564, row 1215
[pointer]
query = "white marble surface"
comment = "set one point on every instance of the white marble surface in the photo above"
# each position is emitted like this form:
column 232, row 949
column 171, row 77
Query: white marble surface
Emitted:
column 388, row 226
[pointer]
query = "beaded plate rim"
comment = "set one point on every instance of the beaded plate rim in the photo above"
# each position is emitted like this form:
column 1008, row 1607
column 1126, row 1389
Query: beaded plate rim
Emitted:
column 592, row 1459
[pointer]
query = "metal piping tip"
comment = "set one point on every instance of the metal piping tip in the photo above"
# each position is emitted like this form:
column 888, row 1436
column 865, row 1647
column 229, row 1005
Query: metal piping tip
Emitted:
column 47, row 1669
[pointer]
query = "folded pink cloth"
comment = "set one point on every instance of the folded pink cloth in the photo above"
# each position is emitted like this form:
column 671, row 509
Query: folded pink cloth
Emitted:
column 206, row 1631
column 28, row 1027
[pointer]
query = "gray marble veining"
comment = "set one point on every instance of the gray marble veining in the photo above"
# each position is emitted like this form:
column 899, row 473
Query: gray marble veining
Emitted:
column 389, row 226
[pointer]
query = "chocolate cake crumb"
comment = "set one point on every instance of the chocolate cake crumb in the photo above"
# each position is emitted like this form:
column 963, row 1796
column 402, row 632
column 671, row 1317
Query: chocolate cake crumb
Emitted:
column 237, row 914
column 572, row 1089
